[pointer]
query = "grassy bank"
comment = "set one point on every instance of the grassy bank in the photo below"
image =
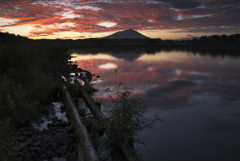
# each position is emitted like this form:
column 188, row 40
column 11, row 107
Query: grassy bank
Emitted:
column 26, row 85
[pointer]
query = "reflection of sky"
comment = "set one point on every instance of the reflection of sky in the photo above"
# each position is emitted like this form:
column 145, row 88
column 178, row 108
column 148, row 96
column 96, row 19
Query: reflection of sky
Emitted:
column 197, row 96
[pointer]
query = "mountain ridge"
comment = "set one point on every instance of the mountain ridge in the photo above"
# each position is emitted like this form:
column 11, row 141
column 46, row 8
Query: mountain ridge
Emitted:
column 126, row 34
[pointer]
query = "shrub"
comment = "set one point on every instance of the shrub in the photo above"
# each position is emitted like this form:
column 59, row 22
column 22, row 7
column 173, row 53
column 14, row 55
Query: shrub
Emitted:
column 126, row 118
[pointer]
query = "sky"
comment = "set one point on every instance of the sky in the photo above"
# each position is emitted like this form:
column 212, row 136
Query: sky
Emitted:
column 80, row 19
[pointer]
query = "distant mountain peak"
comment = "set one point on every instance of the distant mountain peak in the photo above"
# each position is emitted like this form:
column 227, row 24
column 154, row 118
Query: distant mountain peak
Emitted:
column 126, row 34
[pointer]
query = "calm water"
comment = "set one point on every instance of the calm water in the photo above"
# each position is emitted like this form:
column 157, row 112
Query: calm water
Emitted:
column 198, row 97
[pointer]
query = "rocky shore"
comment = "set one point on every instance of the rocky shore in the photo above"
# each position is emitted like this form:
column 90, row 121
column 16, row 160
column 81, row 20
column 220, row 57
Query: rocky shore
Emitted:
column 58, row 140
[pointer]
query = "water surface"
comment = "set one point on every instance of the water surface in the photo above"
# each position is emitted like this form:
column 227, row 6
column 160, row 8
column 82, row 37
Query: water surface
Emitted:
column 197, row 96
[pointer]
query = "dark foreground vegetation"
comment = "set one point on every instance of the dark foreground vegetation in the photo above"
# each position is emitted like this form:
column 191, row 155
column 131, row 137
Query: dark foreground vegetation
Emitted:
column 28, row 82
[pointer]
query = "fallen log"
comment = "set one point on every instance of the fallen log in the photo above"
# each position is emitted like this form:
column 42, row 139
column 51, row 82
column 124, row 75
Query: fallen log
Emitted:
column 86, row 144
column 126, row 149
column 93, row 107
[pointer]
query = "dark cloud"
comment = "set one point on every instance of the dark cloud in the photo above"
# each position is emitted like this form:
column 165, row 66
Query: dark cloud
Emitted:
column 185, row 4
column 182, row 4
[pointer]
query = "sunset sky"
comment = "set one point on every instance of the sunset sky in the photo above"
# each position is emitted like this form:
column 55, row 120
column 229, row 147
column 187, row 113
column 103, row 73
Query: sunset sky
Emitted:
column 79, row 19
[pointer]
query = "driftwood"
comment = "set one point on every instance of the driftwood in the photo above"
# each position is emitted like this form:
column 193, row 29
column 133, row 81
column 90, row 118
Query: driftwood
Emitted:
column 126, row 149
column 86, row 144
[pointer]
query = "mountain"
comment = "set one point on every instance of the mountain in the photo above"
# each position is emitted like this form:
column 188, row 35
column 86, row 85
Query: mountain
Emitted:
column 126, row 34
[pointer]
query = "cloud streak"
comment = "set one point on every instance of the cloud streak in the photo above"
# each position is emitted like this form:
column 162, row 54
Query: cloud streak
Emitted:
column 55, row 16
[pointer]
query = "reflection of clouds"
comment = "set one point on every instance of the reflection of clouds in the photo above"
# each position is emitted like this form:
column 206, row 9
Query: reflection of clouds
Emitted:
column 150, row 75
column 108, row 66
column 214, row 125
column 228, row 113
column 169, row 96
column 99, row 56
column 179, row 72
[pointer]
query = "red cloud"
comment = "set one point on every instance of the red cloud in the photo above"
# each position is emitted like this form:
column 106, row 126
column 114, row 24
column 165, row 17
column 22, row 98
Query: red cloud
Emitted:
column 127, row 14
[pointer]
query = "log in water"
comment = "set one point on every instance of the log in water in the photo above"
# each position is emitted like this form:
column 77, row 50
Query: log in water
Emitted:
column 100, row 116
column 82, row 133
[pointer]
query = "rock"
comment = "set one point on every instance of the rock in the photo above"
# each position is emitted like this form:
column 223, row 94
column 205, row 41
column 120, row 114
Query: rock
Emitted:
column 34, row 138
column 24, row 151
column 47, row 140
column 27, row 128
column 26, row 133
column 58, row 136
column 34, row 132
column 18, row 154
column 51, row 129
column 55, row 146
column 64, row 133
column 50, row 154
column 62, row 150
column 43, row 145
column 45, row 131
column 62, row 108
column 39, row 151
column 72, row 147
column 55, row 119
column 34, row 155
column 82, row 112
column 18, row 133
column 50, row 125
column 33, row 149
column 97, row 127
column 71, row 135
column 54, row 132
column 27, row 157
column 21, row 138
column 44, row 136
column 18, row 158
column 71, row 157
column 38, row 138
column 70, row 129
column 28, row 139
column 65, row 141
column 68, row 123
column 36, row 144
column 43, row 156
column 60, row 124
column 22, row 145
column 50, row 144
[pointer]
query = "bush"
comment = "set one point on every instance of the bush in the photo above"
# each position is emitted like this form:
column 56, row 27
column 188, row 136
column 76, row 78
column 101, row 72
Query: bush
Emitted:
column 26, row 83
column 126, row 118
column 7, row 140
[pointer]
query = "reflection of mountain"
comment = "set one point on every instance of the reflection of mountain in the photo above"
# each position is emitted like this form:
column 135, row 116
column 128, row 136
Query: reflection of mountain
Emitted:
column 126, row 34
column 131, row 56
column 129, row 53
column 132, row 53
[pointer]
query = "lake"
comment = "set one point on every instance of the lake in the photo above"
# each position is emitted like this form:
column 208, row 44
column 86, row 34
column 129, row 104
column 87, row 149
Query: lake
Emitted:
column 197, row 96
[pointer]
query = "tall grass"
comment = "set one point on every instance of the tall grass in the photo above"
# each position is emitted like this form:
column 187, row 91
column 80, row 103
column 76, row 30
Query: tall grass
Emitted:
column 26, row 84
